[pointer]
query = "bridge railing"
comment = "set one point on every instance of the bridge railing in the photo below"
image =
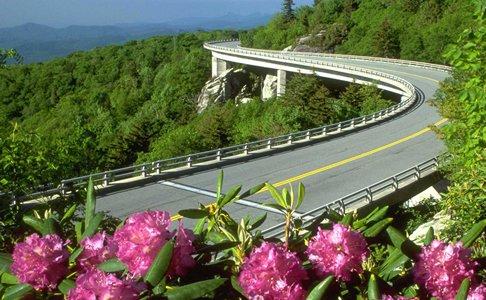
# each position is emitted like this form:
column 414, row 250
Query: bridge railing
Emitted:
column 170, row 165
column 364, row 196
column 421, row 64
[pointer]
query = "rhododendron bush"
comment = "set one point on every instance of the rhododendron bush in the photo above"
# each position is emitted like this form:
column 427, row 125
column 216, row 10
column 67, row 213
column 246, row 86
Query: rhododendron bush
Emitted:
column 151, row 255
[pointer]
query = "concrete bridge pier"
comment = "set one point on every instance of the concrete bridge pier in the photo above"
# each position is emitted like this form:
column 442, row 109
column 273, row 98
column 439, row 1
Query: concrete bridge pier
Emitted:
column 281, row 82
column 218, row 67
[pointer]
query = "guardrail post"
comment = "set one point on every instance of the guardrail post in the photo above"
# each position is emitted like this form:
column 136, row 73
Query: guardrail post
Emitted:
column 106, row 179
column 290, row 140
column 144, row 171
column 342, row 207
column 218, row 155
column 245, row 149
column 395, row 183
column 369, row 195
column 157, row 168
column 353, row 123
column 339, row 127
column 308, row 135
column 62, row 188
column 269, row 144
column 189, row 162
column 324, row 131
column 417, row 172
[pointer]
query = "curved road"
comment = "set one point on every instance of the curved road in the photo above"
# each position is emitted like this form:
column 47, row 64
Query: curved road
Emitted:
column 329, row 169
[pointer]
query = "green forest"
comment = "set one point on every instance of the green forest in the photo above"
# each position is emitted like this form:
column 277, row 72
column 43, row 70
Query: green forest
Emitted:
column 118, row 105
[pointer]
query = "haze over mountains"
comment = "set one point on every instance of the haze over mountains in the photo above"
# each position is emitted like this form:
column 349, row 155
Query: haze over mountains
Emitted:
column 38, row 42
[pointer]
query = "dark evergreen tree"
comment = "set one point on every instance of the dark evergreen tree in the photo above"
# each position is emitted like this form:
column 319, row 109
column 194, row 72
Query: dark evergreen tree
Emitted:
column 386, row 41
column 288, row 10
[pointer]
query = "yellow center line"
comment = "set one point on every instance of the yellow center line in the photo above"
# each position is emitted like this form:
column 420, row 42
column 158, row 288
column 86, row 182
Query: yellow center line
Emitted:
column 342, row 162
column 351, row 159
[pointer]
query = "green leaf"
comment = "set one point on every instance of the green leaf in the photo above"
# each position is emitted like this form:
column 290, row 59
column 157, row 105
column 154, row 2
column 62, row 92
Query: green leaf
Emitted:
column 463, row 289
column 65, row 286
column 8, row 278
column 287, row 198
column 334, row 216
column 230, row 195
column 429, row 237
column 276, row 195
column 473, row 234
column 300, row 195
column 236, row 285
column 388, row 269
column 160, row 288
column 193, row 213
column 407, row 247
column 252, row 191
column 373, row 290
column 377, row 228
column 17, row 291
column 39, row 225
column 259, row 221
column 219, row 185
column 69, row 213
column 199, row 227
column 275, row 205
column 93, row 225
column 347, row 219
column 319, row 290
column 112, row 265
column 90, row 208
column 160, row 264
column 194, row 290
column 219, row 247
column 74, row 255
column 78, row 228
column 5, row 262
column 377, row 215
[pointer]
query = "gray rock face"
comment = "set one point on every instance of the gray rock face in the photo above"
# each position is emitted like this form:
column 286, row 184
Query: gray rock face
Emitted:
column 269, row 88
column 226, row 86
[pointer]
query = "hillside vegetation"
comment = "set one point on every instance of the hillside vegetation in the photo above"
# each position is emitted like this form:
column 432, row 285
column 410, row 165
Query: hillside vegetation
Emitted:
column 118, row 105
column 409, row 29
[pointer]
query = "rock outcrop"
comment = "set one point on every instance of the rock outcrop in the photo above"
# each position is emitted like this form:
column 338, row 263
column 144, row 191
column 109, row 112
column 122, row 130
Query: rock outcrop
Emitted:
column 229, row 85
column 269, row 88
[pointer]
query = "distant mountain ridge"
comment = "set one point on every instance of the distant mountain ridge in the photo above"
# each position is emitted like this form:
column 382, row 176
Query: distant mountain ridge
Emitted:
column 37, row 42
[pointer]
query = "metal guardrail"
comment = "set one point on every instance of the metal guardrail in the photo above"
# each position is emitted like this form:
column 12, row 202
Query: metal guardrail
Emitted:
column 364, row 196
column 160, row 166
column 425, row 65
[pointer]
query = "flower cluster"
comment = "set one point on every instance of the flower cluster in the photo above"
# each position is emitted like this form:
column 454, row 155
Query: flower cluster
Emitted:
column 338, row 252
column 272, row 272
column 95, row 284
column 182, row 259
column 477, row 293
column 40, row 261
column 442, row 267
column 96, row 249
column 142, row 237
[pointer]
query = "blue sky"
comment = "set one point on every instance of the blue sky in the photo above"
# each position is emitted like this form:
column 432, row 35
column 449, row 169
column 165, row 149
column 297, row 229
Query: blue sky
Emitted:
column 60, row 13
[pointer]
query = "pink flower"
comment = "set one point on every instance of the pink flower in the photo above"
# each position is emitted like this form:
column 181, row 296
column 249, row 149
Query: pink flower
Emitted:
column 144, row 234
column 338, row 252
column 272, row 272
column 182, row 261
column 477, row 293
column 95, row 284
column 442, row 267
column 96, row 249
column 388, row 297
column 40, row 261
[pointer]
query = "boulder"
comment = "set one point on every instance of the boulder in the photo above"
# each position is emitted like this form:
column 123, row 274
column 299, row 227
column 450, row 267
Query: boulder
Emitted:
column 226, row 86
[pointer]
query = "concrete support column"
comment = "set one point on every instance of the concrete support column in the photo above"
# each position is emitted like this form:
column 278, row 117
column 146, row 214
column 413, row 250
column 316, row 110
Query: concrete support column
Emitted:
column 218, row 66
column 281, row 82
